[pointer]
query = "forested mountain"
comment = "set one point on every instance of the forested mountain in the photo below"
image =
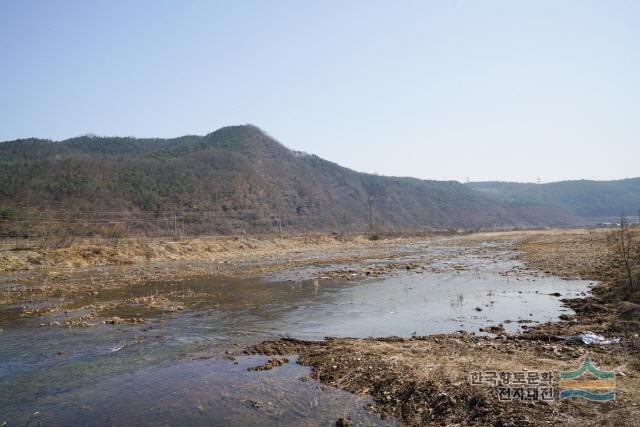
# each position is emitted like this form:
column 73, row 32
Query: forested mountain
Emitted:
column 238, row 178
column 584, row 199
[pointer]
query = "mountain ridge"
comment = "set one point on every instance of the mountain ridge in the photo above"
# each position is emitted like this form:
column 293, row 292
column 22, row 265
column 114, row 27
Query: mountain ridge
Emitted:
column 240, row 179
column 583, row 198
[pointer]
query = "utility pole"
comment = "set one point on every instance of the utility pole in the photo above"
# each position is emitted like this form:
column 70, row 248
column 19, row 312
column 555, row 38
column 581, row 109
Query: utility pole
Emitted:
column 370, row 213
column 279, row 222
column 175, row 225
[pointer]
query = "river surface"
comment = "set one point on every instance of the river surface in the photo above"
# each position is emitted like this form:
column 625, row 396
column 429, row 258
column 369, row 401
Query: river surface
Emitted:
column 175, row 369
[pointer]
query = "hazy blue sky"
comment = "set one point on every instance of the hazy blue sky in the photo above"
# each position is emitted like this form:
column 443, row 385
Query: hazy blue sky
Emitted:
column 506, row 90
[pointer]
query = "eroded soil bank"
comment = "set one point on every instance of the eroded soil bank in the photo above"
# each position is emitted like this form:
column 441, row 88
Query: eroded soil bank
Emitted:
column 74, row 254
column 425, row 380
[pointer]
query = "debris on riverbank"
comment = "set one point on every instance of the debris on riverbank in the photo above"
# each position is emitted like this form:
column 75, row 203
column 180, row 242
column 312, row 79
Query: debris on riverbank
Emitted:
column 274, row 362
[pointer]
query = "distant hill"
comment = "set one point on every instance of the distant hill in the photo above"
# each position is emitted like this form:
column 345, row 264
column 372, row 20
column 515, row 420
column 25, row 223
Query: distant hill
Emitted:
column 238, row 178
column 584, row 199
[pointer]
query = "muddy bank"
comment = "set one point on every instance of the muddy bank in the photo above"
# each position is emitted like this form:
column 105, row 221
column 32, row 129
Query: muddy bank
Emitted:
column 426, row 380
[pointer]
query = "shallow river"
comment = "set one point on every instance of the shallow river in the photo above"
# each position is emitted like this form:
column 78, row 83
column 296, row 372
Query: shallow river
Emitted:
column 173, row 370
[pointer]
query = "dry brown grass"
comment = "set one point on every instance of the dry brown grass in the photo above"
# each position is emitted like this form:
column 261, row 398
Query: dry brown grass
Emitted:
column 425, row 380
column 78, row 253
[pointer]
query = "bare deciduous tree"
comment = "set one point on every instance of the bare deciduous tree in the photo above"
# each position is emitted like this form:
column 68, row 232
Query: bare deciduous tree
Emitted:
column 628, row 251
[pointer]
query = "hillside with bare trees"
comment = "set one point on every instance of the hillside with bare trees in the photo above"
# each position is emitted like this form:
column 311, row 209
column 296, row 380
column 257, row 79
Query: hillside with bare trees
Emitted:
column 236, row 179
